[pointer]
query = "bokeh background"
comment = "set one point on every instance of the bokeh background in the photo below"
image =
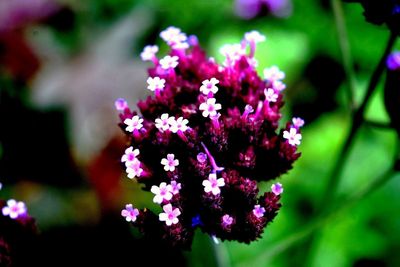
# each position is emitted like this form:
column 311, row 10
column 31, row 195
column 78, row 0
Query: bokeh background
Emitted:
column 62, row 65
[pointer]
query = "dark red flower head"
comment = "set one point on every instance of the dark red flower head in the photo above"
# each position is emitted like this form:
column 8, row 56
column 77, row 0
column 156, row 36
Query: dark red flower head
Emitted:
column 205, row 138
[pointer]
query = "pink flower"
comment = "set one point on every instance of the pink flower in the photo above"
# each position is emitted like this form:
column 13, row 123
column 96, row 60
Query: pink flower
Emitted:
column 209, row 107
column 133, row 169
column 226, row 220
column 298, row 122
column 277, row 188
column 292, row 136
column 258, row 211
column 178, row 125
column 169, row 62
column 175, row 187
column 213, row 184
column 121, row 104
column 149, row 52
column 133, row 124
column 130, row 213
column 162, row 123
column 209, row 86
column 130, row 155
column 162, row 192
column 170, row 215
column 155, row 83
column 270, row 95
column 170, row 163
column 14, row 209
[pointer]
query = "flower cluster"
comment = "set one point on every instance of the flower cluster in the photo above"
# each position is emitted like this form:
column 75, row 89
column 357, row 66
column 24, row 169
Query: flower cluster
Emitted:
column 204, row 139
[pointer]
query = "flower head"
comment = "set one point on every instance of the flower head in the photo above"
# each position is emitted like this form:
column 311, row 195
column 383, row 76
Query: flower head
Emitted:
column 254, row 36
column 162, row 123
column 133, row 168
column 133, row 124
column 213, row 184
column 258, row 211
column 162, row 192
column 169, row 62
column 130, row 155
column 14, row 209
column 170, row 215
column 277, row 189
column 155, row 83
column 208, row 172
column 273, row 74
column 270, row 95
column 170, row 163
column 292, row 136
column 209, row 107
column 393, row 61
column 298, row 122
column 209, row 86
column 130, row 213
column 149, row 52
column 121, row 104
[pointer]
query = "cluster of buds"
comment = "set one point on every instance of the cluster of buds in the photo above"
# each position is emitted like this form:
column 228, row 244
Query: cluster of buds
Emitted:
column 204, row 139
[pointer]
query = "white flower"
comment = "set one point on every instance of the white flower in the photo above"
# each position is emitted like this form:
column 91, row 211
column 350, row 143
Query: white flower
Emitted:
column 155, row 83
column 232, row 52
column 178, row 125
column 173, row 35
column 254, row 36
column 130, row 213
column 278, row 86
column 180, row 45
column 170, row 162
column 170, row 215
column 213, row 184
column 273, row 74
column 133, row 124
column 130, row 155
column 292, row 136
column 162, row 192
column 209, row 86
column 162, row 123
column 210, row 108
column 258, row 211
column 277, row 188
column 14, row 209
column 169, row 62
column 298, row 122
column 133, row 168
column 270, row 95
column 149, row 52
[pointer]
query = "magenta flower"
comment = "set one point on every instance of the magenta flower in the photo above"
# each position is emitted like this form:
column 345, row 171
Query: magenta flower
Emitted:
column 130, row 213
column 206, row 139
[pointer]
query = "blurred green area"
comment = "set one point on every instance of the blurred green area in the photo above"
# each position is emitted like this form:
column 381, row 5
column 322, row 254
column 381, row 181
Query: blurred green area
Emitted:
column 368, row 231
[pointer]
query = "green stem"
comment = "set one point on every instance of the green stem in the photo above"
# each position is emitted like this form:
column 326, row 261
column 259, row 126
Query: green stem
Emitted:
column 221, row 254
column 357, row 120
column 345, row 49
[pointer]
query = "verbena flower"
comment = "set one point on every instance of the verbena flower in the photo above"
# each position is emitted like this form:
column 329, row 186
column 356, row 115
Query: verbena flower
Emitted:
column 17, row 231
column 202, row 143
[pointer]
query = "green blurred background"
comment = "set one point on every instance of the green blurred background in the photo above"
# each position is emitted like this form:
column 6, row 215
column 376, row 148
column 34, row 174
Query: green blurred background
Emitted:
column 63, row 63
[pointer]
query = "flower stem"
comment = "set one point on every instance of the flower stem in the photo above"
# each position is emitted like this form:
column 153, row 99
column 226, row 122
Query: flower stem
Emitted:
column 357, row 121
column 221, row 254
column 345, row 49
